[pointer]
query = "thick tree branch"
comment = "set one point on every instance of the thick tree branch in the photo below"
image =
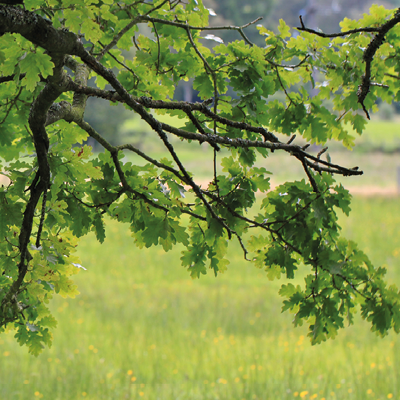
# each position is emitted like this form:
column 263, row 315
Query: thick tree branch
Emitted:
column 37, row 119
column 271, row 142
column 369, row 52
column 368, row 56
column 38, row 30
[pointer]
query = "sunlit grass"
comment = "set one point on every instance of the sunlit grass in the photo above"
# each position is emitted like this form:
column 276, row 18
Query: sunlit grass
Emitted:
column 381, row 134
column 142, row 329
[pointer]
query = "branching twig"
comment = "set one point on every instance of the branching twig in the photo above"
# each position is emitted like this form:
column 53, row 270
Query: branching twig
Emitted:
column 310, row 176
column 205, row 28
column 99, row 205
column 208, row 69
column 12, row 104
column 289, row 66
column 129, row 189
column 333, row 35
column 124, row 30
column 123, row 65
column 283, row 87
column 153, row 161
column 392, row 76
column 195, row 188
column 271, row 142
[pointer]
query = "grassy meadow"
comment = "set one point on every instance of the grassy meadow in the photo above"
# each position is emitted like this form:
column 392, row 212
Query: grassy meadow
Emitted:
column 142, row 329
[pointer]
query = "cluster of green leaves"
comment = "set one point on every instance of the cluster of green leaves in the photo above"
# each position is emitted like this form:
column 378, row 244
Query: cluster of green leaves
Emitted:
column 239, row 83
column 341, row 275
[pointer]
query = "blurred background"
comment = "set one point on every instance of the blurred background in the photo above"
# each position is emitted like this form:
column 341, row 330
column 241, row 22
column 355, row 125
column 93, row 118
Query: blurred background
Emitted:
column 142, row 329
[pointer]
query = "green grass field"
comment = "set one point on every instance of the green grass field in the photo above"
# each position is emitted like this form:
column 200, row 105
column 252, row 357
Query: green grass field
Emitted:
column 142, row 329
column 379, row 134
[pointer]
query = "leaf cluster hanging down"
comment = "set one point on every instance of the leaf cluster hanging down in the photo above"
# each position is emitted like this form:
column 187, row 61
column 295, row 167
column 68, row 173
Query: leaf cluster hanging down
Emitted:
column 58, row 190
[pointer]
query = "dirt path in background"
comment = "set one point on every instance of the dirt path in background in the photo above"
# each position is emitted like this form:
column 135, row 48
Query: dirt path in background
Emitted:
column 389, row 191
column 4, row 180
column 368, row 190
column 374, row 191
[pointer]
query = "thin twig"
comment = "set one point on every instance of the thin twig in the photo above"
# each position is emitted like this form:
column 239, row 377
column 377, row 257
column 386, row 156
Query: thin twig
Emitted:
column 289, row 66
column 310, row 176
column 124, row 30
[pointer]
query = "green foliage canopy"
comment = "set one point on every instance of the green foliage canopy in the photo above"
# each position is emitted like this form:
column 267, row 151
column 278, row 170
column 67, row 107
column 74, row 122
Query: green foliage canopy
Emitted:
column 58, row 191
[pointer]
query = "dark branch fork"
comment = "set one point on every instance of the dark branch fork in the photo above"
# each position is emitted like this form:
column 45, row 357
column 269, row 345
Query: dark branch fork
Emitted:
column 369, row 52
